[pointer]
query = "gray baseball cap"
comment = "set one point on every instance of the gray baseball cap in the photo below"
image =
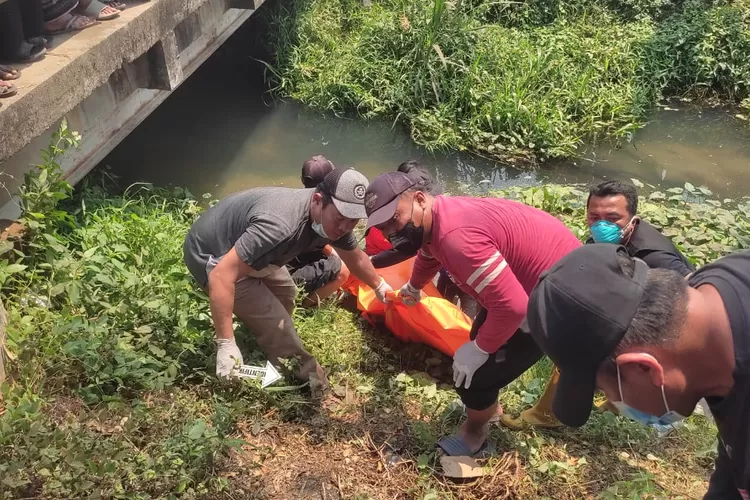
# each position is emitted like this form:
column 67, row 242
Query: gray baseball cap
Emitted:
column 347, row 188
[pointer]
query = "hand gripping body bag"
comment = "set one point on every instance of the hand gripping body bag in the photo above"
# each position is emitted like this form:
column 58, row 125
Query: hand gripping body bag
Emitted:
column 433, row 321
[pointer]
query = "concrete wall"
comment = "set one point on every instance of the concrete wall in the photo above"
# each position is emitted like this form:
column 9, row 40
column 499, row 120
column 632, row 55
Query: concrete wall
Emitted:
column 106, row 80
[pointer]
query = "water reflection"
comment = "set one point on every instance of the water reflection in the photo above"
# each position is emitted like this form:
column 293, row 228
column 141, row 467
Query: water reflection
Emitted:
column 217, row 134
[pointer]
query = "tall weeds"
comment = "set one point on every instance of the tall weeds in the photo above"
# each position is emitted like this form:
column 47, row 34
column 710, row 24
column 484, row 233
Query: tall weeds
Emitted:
column 514, row 80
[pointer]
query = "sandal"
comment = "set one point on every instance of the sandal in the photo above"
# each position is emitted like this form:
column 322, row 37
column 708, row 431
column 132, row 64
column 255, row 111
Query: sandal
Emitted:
column 115, row 4
column 7, row 89
column 29, row 53
column 455, row 446
column 95, row 9
column 39, row 41
column 75, row 23
column 8, row 73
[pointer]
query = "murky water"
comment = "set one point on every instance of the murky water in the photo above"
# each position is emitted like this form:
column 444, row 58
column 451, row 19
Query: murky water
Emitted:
column 219, row 133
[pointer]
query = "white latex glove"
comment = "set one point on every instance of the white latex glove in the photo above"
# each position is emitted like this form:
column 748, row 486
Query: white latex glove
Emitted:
column 467, row 360
column 228, row 355
column 410, row 295
column 382, row 289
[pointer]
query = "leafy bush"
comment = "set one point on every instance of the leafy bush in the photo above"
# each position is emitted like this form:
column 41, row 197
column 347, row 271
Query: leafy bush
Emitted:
column 110, row 339
column 101, row 308
column 531, row 79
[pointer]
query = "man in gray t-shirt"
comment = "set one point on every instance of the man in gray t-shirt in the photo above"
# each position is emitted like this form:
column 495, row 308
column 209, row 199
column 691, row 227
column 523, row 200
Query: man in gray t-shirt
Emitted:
column 237, row 251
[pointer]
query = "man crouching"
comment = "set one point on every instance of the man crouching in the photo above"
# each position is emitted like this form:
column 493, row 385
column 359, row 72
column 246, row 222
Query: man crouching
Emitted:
column 237, row 250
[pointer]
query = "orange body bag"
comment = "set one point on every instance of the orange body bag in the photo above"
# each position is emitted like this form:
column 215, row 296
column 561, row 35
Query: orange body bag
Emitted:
column 433, row 321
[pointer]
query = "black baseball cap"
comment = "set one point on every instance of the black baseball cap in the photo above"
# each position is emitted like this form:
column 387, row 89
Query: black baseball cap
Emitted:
column 315, row 169
column 382, row 196
column 578, row 314
column 347, row 189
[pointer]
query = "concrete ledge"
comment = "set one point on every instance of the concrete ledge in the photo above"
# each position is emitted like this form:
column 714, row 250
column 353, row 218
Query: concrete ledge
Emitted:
column 107, row 78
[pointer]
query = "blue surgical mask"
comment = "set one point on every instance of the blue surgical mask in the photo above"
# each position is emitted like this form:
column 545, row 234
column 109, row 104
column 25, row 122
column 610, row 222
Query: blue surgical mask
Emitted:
column 604, row 231
column 669, row 418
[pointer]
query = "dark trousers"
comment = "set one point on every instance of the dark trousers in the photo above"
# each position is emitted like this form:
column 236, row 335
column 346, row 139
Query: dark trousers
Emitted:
column 450, row 291
column 19, row 21
column 503, row 366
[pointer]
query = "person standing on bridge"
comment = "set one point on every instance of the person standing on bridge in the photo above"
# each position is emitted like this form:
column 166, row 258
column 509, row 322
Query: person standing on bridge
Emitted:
column 237, row 251
column 495, row 250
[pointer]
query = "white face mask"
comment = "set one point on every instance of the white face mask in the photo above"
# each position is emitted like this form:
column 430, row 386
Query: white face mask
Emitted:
column 318, row 226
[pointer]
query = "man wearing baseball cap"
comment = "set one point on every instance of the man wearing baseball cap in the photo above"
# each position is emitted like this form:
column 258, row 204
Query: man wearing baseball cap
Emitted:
column 495, row 250
column 654, row 343
column 319, row 272
column 314, row 170
column 612, row 217
column 237, row 251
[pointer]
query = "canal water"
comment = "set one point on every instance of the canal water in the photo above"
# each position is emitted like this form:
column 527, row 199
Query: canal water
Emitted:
column 221, row 132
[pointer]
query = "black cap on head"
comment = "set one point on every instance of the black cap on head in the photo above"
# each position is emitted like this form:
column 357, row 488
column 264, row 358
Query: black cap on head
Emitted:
column 578, row 313
column 382, row 195
column 315, row 169
column 347, row 188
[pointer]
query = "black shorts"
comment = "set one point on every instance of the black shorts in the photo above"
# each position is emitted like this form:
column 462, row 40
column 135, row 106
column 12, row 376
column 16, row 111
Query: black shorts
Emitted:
column 317, row 274
column 505, row 365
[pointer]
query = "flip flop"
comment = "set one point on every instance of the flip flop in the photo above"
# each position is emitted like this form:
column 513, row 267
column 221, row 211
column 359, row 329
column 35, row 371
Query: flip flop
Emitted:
column 94, row 10
column 8, row 90
column 116, row 4
column 39, row 41
column 9, row 72
column 28, row 53
column 75, row 23
column 455, row 446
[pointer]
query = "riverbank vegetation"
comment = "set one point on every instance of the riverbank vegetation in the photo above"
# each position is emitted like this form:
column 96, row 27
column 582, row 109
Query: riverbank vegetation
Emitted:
column 516, row 80
column 111, row 392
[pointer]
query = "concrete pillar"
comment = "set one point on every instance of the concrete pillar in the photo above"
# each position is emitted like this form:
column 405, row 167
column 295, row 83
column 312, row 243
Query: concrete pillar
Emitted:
column 164, row 64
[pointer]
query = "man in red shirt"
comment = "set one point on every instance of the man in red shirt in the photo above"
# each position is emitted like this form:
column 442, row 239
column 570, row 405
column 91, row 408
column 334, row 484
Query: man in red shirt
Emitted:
column 495, row 249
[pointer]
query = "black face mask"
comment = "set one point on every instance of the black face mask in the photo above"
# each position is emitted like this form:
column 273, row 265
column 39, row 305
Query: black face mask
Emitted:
column 409, row 238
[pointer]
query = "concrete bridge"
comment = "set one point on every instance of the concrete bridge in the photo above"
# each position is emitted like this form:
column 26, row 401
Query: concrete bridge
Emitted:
column 106, row 80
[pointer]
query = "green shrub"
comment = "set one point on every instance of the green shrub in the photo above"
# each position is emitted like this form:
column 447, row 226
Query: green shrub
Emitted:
column 514, row 80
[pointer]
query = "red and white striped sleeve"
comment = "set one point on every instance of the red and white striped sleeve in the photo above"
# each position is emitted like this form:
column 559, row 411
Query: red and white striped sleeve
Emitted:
column 473, row 259
column 425, row 268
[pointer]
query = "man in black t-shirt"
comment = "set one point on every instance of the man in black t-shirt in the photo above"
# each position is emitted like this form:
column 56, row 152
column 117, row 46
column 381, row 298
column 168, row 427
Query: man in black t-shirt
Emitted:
column 611, row 213
column 655, row 344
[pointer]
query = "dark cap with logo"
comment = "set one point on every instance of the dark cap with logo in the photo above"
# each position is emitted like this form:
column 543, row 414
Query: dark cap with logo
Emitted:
column 315, row 169
column 382, row 196
column 347, row 188
column 578, row 314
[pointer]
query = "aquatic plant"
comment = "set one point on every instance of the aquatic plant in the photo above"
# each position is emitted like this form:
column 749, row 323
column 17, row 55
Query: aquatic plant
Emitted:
column 110, row 355
column 513, row 80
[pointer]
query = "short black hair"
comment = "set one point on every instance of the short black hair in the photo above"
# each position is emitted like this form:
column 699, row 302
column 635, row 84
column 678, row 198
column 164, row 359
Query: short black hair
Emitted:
column 421, row 175
column 327, row 198
column 662, row 311
column 410, row 165
column 615, row 188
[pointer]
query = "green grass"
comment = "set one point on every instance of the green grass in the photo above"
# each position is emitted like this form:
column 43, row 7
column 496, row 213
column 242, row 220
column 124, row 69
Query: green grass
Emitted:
column 514, row 80
column 111, row 392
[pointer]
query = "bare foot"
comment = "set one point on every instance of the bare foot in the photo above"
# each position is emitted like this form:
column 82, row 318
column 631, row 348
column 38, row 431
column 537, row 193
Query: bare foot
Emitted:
column 8, row 73
column 106, row 11
column 7, row 89
column 68, row 22
column 474, row 437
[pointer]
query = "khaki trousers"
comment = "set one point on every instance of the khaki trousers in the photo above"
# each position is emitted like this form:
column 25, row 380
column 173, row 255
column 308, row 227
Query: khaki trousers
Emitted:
column 265, row 305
